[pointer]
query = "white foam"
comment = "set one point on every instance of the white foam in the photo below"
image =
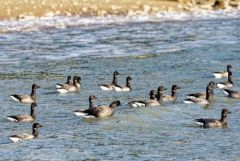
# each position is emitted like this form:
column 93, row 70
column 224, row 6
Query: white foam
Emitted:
column 50, row 22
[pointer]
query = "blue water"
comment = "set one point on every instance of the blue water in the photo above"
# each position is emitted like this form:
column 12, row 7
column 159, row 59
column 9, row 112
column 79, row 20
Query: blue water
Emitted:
column 183, row 52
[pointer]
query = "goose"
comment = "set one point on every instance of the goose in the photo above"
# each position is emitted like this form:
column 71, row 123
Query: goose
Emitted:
column 202, row 101
column 126, row 88
column 65, row 88
column 26, row 136
column 90, row 99
column 212, row 123
column 227, row 84
column 69, row 82
column 160, row 94
column 231, row 93
column 150, row 102
column 222, row 74
column 26, row 98
column 78, row 83
column 109, row 87
column 101, row 111
column 173, row 96
column 202, row 94
column 24, row 118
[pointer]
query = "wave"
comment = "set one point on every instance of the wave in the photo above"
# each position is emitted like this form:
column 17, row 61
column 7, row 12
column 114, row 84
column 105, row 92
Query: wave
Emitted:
column 55, row 22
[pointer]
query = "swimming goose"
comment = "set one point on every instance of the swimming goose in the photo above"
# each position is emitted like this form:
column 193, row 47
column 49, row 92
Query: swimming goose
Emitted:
column 65, row 88
column 227, row 84
column 78, row 83
column 101, row 111
column 90, row 99
column 24, row 118
column 126, row 88
column 210, row 123
column 26, row 98
column 109, row 87
column 222, row 74
column 160, row 94
column 173, row 97
column 69, row 82
column 202, row 94
column 150, row 102
column 26, row 136
column 231, row 93
column 202, row 101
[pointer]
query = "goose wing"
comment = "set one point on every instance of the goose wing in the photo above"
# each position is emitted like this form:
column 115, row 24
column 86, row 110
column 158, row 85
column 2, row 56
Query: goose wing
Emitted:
column 106, row 87
column 197, row 95
column 24, row 118
column 20, row 137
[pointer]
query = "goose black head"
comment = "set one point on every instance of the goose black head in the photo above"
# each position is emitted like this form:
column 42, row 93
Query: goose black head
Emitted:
column 36, row 125
column 34, row 86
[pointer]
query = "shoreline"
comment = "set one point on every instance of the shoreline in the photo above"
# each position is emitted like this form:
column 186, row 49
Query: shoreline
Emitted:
column 29, row 9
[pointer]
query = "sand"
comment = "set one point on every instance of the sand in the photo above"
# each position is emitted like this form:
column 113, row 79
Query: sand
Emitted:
column 17, row 9
column 12, row 9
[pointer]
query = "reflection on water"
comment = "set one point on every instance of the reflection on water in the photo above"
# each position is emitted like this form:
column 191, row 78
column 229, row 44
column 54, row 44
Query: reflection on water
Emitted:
column 153, row 53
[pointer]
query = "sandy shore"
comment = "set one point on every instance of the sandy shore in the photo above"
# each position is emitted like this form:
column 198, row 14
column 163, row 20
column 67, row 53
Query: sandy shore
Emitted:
column 17, row 9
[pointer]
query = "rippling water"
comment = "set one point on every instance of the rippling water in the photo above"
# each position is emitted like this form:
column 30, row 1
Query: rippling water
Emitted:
column 153, row 52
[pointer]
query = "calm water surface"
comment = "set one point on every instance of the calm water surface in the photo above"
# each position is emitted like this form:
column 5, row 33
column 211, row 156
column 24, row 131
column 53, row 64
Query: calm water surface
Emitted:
column 153, row 53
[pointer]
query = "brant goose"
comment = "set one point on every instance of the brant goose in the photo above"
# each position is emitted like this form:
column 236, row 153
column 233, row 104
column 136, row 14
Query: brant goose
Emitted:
column 26, row 136
column 222, row 74
column 24, row 118
column 26, row 98
column 160, row 94
column 126, row 88
column 202, row 94
column 173, row 96
column 202, row 101
column 210, row 123
column 109, row 87
column 227, row 84
column 69, row 82
column 90, row 99
column 231, row 93
column 150, row 102
column 100, row 111
column 78, row 83
column 65, row 88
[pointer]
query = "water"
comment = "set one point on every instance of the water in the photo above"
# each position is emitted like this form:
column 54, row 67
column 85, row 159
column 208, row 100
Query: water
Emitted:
column 153, row 52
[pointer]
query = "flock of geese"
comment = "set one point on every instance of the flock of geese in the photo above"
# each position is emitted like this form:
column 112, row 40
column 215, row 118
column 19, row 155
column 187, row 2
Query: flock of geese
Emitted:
column 157, row 98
